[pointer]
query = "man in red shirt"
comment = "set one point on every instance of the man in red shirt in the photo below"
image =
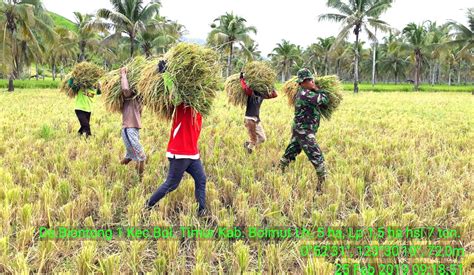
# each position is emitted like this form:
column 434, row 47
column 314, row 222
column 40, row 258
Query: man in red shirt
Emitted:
column 183, row 155
column 252, row 115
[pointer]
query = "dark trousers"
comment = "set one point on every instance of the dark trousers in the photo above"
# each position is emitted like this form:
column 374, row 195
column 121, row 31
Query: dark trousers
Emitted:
column 175, row 174
column 84, row 119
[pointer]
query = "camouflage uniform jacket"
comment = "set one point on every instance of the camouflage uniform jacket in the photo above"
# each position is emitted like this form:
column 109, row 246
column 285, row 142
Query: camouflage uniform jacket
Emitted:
column 307, row 114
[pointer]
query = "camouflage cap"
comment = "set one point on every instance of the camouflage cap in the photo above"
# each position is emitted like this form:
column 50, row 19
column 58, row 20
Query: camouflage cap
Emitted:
column 304, row 74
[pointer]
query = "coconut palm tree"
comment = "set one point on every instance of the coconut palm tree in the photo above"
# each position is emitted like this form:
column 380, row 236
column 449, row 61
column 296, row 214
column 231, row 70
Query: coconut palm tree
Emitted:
column 285, row 54
column 438, row 36
column 464, row 35
column 357, row 15
column 417, row 42
column 319, row 53
column 230, row 30
column 325, row 46
column 61, row 49
column 393, row 59
column 127, row 17
column 87, row 38
column 312, row 58
column 160, row 34
column 342, row 54
column 250, row 51
column 22, row 25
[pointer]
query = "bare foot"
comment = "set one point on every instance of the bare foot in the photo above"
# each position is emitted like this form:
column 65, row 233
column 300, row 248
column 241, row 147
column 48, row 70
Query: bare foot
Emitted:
column 125, row 161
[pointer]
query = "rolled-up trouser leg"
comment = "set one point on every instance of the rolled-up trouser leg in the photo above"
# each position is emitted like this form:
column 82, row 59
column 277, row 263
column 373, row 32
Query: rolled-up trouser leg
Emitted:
column 251, row 126
column 261, row 137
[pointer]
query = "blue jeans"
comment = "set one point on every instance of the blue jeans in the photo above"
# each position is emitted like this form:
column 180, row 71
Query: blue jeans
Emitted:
column 175, row 174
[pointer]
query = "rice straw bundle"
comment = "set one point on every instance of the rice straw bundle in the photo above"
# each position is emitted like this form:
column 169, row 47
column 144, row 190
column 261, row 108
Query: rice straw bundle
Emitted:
column 85, row 76
column 152, row 90
column 64, row 88
column 192, row 77
column 260, row 77
column 111, row 83
column 234, row 91
column 290, row 89
column 330, row 83
column 112, row 91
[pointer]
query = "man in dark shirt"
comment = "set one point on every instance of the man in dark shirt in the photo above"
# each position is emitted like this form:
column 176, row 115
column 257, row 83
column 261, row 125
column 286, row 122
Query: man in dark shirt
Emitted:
column 252, row 115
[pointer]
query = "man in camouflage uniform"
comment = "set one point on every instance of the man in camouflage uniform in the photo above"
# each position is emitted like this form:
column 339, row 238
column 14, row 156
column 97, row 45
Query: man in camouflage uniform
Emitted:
column 305, row 125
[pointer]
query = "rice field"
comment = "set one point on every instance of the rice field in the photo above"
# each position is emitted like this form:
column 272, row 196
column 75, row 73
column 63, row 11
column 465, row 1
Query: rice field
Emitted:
column 399, row 159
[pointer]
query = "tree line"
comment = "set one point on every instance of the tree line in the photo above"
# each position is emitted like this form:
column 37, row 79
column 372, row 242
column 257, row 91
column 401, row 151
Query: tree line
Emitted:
column 429, row 52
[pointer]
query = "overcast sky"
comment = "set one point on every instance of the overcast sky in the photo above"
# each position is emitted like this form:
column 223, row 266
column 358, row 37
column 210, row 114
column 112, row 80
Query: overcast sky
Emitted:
column 294, row 20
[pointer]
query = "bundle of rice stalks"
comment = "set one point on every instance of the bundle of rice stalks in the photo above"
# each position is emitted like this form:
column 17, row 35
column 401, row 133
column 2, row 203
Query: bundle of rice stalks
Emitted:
column 85, row 75
column 234, row 90
column 152, row 90
column 111, row 83
column 192, row 77
column 290, row 89
column 260, row 77
column 64, row 88
column 330, row 83
column 333, row 86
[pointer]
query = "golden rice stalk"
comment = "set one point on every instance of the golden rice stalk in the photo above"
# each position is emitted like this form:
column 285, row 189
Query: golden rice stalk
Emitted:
column 111, row 84
column 192, row 77
column 330, row 83
column 234, row 91
column 290, row 88
column 64, row 88
column 87, row 75
column 153, row 92
column 260, row 77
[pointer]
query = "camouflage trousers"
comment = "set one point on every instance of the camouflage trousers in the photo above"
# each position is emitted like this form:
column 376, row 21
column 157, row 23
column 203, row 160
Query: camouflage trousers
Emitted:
column 304, row 140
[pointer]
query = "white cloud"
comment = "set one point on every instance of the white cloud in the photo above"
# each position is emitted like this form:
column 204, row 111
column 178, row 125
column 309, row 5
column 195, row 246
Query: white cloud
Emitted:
column 294, row 20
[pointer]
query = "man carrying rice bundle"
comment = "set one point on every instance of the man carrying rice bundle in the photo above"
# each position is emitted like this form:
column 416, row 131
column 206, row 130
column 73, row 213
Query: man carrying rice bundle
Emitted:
column 83, row 107
column 252, row 115
column 83, row 79
column 183, row 154
column 309, row 100
column 131, row 125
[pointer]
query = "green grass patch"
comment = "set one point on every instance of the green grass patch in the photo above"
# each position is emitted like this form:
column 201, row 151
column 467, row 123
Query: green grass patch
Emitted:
column 45, row 132
column 61, row 21
column 48, row 83
column 365, row 87
column 31, row 84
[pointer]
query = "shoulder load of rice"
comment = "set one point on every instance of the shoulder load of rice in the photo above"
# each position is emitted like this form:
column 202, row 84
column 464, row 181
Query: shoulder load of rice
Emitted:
column 290, row 88
column 330, row 83
column 192, row 77
column 111, row 85
column 85, row 75
column 234, row 91
column 64, row 88
column 152, row 90
column 259, row 76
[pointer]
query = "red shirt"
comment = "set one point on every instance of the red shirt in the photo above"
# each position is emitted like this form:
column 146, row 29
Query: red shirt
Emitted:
column 185, row 133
